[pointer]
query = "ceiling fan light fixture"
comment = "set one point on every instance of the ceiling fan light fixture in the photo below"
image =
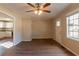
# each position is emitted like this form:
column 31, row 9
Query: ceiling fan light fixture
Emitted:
column 40, row 12
column 39, row 9
column 36, row 12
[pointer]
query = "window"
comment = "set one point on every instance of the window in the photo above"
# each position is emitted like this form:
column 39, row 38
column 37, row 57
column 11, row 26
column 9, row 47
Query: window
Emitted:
column 9, row 25
column 6, row 25
column 73, row 26
column 1, row 24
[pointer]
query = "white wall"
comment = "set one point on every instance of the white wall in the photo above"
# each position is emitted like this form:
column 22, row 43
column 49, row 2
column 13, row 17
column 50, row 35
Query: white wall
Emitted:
column 17, row 30
column 26, row 30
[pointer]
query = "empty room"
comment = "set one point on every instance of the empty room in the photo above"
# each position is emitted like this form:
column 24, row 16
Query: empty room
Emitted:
column 39, row 29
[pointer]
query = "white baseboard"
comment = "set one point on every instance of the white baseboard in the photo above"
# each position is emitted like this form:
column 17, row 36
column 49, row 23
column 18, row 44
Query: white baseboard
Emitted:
column 67, row 48
column 26, row 40
column 41, row 38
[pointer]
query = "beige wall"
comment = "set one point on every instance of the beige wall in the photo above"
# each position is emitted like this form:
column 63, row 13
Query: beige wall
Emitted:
column 72, row 45
column 41, row 29
column 26, row 30
column 17, row 30
column 36, row 29
column 57, row 30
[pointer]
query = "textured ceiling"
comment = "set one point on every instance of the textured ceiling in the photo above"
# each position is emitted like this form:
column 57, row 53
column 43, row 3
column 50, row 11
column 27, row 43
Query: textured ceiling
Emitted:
column 21, row 8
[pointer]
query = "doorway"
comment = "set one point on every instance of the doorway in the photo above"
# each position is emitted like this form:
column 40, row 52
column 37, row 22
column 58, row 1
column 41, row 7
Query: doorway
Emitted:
column 6, row 30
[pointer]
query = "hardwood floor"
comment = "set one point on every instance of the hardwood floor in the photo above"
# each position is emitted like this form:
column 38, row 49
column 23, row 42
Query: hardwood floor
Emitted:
column 41, row 47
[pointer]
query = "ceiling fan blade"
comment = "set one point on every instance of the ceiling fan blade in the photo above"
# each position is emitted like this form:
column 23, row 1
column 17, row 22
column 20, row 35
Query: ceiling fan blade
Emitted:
column 47, row 4
column 29, row 10
column 31, row 5
column 46, row 11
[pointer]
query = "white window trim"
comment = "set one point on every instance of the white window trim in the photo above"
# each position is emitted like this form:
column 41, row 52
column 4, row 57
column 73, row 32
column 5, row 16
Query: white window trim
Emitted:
column 73, row 12
column 69, row 14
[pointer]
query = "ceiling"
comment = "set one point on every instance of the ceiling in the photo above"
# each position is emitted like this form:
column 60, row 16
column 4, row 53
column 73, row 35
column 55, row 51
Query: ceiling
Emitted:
column 4, row 16
column 21, row 8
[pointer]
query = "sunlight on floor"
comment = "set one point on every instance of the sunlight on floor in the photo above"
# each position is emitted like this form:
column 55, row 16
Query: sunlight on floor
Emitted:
column 7, row 44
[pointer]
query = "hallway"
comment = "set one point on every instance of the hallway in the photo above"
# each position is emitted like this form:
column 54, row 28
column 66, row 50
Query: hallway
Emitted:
column 41, row 47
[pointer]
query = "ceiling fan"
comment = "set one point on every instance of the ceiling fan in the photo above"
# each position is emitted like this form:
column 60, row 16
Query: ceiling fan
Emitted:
column 38, row 8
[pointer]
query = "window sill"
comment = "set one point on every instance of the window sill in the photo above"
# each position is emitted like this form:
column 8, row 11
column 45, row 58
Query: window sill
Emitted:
column 76, row 39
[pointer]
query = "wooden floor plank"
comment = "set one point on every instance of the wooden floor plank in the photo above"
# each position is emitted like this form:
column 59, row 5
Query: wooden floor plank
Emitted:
column 41, row 47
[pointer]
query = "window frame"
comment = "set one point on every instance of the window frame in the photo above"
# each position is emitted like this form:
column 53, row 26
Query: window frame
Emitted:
column 68, row 20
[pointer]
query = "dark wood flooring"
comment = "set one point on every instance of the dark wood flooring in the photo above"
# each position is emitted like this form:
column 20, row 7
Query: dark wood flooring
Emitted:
column 41, row 47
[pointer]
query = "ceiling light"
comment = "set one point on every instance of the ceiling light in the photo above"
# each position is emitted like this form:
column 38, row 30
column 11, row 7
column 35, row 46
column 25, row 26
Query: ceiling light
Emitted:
column 40, row 12
column 36, row 11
